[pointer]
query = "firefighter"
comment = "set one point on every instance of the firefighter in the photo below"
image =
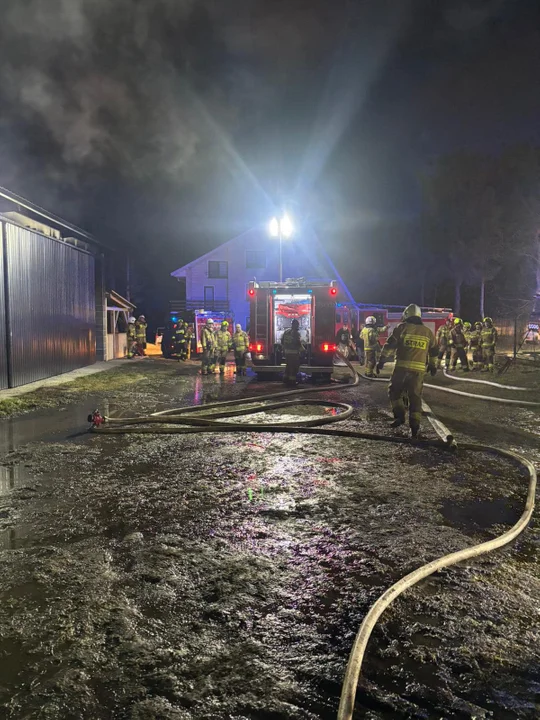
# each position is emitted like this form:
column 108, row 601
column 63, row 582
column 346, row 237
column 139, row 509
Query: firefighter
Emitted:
column 344, row 340
column 223, row 345
column 208, row 342
column 458, row 343
column 180, row 340
column 370, row 337
column 240, row 343
column 467, row 331
column 443, row 341
column 416, row 349
column 140, row 334
column 475, row 344
column 189, row 338
column 131, row 337
column 489, row 341
column 292, row 348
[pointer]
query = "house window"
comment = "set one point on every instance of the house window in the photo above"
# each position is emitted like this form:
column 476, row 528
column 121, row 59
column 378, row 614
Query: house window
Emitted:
column 218, row 269
column 209, row 294
column 255, row 259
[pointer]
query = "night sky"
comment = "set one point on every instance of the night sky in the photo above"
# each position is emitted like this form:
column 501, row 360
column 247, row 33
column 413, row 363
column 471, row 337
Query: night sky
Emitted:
column 168, row 126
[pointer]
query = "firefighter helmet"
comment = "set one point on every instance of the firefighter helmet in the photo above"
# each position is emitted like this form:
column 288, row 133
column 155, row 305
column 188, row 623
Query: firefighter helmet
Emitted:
column 141, row 317
column 467, row 325
column 412, row 310
column 488, row 321
column 131, row 320
column 478, row 325
column 458, row 321
column 371, row 320
column 209, row 321
column 224, row 324
column 238, row 326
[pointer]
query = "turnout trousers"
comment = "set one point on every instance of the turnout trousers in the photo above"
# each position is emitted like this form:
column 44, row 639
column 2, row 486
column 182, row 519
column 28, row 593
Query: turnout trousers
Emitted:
column 459, row 353
column 406, row 382
column 371, row 361
column 292, row 367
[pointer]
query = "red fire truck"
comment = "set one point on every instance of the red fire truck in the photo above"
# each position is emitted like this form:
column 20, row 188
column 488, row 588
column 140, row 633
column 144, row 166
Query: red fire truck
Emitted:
column 274, row 306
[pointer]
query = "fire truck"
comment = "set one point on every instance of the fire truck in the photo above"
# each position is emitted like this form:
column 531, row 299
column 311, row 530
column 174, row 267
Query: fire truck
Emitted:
column 274, row 306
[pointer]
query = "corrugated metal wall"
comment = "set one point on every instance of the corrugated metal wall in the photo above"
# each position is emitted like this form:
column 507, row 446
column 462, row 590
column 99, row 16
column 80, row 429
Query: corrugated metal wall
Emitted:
column 3, row 348
column 51, row 305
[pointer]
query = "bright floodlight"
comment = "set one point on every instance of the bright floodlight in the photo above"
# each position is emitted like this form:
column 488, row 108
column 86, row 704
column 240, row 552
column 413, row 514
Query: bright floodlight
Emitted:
column 273, row 228
column 286, row 226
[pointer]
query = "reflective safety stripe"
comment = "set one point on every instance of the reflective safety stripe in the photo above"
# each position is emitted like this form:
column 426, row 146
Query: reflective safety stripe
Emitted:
column 411, row 365
column 415, row 342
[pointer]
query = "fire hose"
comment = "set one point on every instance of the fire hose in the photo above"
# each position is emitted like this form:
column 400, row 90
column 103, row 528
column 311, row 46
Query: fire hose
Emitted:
column 167, row 422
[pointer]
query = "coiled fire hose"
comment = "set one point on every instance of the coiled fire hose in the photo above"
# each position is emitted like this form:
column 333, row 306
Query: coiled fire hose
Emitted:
column 168, row 421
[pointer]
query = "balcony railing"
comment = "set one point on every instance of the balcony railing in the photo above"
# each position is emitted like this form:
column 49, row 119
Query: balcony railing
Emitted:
column 181, row 306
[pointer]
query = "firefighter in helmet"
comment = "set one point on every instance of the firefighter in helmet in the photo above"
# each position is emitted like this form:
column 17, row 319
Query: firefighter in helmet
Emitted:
column 458, row 343
column 443, row 341
column 292, row 349
column 140, row 333
column 131, row 338
column 208, row 342
column 416, row 349
column 370, row 337
column 180, row 340
column 489, row 341
column 475, row 344
column 240, row 343
column 223, row 345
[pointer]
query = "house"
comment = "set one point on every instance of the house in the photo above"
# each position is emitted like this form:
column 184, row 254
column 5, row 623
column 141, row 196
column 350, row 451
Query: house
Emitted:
column 219, row 279
column 53, row 301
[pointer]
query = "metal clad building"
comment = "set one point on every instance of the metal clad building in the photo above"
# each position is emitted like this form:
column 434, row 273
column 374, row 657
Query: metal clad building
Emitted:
column 49, row 308
column 3, row 349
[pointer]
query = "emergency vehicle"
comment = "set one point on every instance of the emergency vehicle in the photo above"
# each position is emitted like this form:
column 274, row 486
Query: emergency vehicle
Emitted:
column 274, row 306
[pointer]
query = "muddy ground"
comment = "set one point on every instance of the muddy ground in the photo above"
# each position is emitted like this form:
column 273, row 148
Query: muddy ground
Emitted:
column 223, row 577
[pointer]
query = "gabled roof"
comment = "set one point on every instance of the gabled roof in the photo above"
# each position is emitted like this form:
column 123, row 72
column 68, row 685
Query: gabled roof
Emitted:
column 180, row 271
column 309, row 234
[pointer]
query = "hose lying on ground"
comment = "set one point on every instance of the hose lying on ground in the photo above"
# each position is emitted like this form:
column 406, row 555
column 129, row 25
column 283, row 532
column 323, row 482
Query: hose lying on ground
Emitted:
column 478, row 381
column 170, row 419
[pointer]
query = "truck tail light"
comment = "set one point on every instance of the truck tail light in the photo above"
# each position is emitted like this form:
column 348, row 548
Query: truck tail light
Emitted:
column 251, row 292
column 256, row 347
column 329, row 347
column 333, row 291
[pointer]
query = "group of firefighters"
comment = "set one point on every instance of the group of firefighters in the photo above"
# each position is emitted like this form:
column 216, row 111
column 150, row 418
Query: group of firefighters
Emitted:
column 457, row 338
column 217, row 342
column 136, row 336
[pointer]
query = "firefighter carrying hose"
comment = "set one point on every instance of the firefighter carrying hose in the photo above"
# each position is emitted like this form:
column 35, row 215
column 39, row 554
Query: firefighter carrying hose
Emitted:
column 489, row 341
column 370, row 337
column 416, row 349
column 292, row 348
column 223, row 345
column 208, row 342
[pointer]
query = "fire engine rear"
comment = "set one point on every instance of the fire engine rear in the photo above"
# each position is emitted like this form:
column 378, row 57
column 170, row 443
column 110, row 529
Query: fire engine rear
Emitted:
column 274, row 306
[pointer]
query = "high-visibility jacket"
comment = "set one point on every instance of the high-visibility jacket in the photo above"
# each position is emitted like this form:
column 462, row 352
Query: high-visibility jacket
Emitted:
column 240, row 341
column 223, row 341
column 443, row 335
column 131, row 332
column 291, row 342
column 414, row 344
column 140, row 331
column 489, row 337
column 180, row 333
column 476, row 339
column 370, row 337
column 208, row 338
column 458, row 339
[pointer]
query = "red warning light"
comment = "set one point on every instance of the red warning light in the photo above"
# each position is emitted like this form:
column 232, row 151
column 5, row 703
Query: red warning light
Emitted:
column 333, row 291
column 251, row 292
column 328, row 347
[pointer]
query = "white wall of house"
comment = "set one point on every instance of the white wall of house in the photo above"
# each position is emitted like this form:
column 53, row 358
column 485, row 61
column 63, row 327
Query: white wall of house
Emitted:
column 250, row 256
